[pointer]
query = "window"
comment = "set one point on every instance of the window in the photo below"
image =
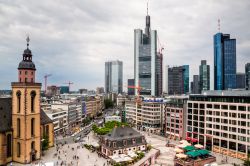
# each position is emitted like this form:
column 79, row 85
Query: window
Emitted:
column 26, row 79
column 33, row 145
column 32, row 126
column 32, row 73
column 18, row 94
column 232, row 107
column 209, row 106
column 18, row 127
column 9, row 145
column 242, row 108
column 33, row 95
column 18, row 149
column 216, row 106
column 20, row 72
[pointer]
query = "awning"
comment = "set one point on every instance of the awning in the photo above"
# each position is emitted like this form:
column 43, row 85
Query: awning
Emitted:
column 189, row 148
column 199, row 146
column 203, row 152
column 177, row 150
column 193, row 153
column 181, row 155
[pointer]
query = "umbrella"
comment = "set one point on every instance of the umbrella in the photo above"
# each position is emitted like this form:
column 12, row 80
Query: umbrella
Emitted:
column 189, row 148
column 203, row 152
column 181, row 156
column 199, row 146
column 193, row 153
column 177, row 150
column 182, row 145
column 183, row 141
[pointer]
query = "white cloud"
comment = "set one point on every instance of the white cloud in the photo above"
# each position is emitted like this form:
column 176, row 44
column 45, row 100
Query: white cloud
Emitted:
column 73, row 39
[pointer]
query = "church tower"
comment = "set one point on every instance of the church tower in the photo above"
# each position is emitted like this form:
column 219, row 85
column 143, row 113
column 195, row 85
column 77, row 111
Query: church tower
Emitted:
column 26, row 111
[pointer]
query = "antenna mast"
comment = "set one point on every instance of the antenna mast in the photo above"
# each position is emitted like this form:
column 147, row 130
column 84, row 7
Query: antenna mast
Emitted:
column 219, row 25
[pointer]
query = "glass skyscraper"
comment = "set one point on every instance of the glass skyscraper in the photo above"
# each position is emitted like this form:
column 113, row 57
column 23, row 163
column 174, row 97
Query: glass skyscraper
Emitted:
column 178, row 80
column 146, row 62
column 204, row 72
column 224, row 62
column 114, row 76
column 247, row 73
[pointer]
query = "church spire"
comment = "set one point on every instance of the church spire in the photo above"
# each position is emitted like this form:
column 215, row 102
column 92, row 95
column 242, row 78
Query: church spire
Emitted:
column 28, row 40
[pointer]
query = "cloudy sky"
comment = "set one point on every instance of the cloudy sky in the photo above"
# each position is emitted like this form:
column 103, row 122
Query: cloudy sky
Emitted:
column 72, row 39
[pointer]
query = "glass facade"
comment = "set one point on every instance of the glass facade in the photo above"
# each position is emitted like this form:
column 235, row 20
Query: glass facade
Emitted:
column 247, row 73
column 224, row 62
column 178, row 80
column 204, row 72
column 131, row 82
column 145, row 61
column 114, row 77
column 186, row 78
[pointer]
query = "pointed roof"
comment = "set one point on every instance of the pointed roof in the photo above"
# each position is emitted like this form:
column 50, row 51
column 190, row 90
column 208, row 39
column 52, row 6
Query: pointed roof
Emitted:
column 123, row 132
column 5, row 114
column 44, row 118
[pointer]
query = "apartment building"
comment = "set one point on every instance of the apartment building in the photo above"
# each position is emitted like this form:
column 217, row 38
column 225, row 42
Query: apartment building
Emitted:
column 59, row 118
column 93, row 106
column 147, row 115
column 175, row 117
column 220, row 120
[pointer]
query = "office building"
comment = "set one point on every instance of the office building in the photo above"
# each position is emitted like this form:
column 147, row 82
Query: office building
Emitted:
column 240, row 81
column 247, row 74
column 22, row 122
column 53, row 90
column 224, row 62
column 147, row 115
column 178, row 80
column 175, row 117
column 147, row 62
column 204, row 73
column 131, row 91
column 99, row 90
column 219, row 120
column 195, row 85
column 114, row 77
column 64, row 89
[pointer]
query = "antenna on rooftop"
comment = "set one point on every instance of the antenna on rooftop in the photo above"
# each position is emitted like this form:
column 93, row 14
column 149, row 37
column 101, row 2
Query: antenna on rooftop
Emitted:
column 219, row 25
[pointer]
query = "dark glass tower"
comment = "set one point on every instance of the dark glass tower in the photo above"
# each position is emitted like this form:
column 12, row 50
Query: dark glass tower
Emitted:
column 247, row 73
column 224, row 62
column 204, row 72
column 147, row 72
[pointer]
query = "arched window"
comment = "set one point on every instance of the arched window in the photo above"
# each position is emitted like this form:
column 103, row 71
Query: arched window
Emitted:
column 9, row 145
column 33, row 145
column 32, row 126
column 33, row 95
column 18, row 94
column 18, row 127
column 18, row 149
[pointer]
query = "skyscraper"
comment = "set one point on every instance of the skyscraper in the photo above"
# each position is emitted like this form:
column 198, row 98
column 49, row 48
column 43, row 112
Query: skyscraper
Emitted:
column 114, row 76
column 224, row 62
column 131, row 82
column 195, row 85
column 240, row 81
column 204, row 72
column 178, row 80
column 247, row 73
column 147, row 64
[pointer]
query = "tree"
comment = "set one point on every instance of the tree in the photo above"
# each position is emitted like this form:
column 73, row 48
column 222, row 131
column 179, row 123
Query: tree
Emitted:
column 45, row 142
column 247, row 161
column 108, row 103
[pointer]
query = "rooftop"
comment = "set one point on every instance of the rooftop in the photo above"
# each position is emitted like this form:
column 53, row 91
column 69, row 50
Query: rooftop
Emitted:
column 229, row 93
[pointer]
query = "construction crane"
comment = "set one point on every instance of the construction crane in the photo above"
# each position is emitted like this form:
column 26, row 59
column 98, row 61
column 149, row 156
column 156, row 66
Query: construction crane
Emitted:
column 45, row 81
column 69, row 83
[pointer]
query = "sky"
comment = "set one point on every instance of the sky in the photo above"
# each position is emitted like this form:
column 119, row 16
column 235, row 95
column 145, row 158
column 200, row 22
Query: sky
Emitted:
column 72, row 39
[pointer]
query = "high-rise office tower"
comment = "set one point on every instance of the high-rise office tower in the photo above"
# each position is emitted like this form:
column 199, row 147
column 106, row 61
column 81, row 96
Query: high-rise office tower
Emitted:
column 114, row 76
column 131, row 91
column 224, row 62
column 195, row 85
column 240, row 81
column 204, row 72
column 178, row 80
column 147, row 64
column 247, row 73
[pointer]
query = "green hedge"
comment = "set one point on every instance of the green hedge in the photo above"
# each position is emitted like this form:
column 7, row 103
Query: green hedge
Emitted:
column 107, row 127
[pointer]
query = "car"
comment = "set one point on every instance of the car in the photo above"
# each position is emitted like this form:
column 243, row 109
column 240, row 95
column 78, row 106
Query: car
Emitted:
column 77, row 139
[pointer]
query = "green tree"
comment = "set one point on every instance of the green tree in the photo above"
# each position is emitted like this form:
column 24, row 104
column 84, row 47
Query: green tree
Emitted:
column 45, row 142
column 108, row 103
column 247, row 161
